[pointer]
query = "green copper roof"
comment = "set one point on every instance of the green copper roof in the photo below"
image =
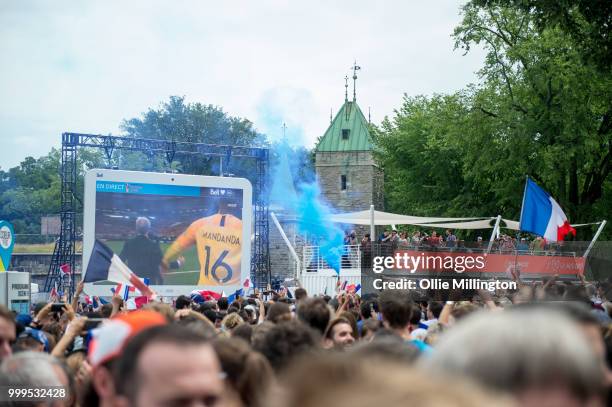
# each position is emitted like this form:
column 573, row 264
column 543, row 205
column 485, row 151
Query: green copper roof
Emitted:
column 348, row 118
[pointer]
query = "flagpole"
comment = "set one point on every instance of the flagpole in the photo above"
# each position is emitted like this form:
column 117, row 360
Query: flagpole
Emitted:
column 495, row 229
column 599, row 230
column 523, row 202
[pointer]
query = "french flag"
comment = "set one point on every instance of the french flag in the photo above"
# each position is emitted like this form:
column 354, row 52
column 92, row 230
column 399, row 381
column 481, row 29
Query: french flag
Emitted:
column 106, row 265
column 542, row 215
column 53, row 295
column 234, row 297
column 65, row 269
column 200, row 296
column 123, row 290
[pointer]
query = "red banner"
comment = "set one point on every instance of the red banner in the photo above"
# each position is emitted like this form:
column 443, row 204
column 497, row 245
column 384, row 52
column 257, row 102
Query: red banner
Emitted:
column 463, row 262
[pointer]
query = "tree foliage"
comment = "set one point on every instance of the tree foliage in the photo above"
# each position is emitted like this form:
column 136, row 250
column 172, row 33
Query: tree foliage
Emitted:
column 540, row 109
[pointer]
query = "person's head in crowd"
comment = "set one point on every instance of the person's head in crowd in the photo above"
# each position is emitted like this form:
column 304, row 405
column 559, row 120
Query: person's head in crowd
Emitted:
column 300, row 294
column 339, row 334
column 54, row 329
column 106, row 310
column 182, row 302
column 33, row 340
column 279, row 312
column 260, row 331
column 390, row 348
column 342, row 380
column 232, row 310
column 588, row 324
column 36, row 370
column 537, row 355
column 366, row 308
column 106, row 345
column 352, row 320
column 203, row 326
column 369, row 328
column 211, row 314
column 231, row 321
column 463, row 309
column 8, row 332
column 434, row 308
column 315, row 313
column 434, row 330
column 164, row 309
column 284, row 341
column 168, row 365
column 397, row 309
column 248, row 372
column 244, row 332
column 222, row 303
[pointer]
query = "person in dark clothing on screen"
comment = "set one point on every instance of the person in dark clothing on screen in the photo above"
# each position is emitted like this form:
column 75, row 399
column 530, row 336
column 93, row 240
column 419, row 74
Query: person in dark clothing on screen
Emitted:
column 143, row 255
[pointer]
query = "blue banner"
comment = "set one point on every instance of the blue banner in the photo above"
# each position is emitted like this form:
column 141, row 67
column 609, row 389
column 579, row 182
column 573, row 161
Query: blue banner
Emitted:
column 146, row 189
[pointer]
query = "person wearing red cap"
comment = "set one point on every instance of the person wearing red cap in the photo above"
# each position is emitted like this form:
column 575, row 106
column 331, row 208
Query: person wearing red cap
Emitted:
column 106, row 345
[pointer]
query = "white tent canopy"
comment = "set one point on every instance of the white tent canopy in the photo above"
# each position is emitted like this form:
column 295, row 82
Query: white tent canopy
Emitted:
column 380, row 218
column 386, row 218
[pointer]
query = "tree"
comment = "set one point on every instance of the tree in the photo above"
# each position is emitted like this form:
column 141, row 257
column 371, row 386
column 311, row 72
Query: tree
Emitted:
column 177, row 121
column 540, row 109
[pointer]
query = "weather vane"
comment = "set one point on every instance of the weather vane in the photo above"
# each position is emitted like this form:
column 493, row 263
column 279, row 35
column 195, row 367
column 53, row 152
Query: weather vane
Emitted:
column 355, row 68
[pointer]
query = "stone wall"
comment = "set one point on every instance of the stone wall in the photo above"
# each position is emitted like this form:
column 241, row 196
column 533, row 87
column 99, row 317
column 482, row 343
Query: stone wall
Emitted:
column 365, row 182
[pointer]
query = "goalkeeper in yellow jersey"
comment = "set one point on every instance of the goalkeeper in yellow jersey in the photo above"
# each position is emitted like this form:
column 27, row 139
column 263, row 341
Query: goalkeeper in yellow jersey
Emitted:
column 218, row 242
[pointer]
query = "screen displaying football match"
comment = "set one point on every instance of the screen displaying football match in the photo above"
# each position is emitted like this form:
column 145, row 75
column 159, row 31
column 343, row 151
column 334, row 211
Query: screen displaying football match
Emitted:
column 174, row 235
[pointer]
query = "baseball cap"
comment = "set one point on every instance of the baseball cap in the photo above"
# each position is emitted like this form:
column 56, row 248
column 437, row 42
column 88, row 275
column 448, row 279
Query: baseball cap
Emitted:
column 108, row 339
column 37, row 335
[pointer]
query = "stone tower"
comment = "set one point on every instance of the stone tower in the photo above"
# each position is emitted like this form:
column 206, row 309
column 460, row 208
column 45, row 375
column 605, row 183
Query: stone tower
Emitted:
column 349, row 178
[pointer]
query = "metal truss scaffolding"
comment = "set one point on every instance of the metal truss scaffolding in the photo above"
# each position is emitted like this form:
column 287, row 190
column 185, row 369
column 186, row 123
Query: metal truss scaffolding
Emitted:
column 65, row 247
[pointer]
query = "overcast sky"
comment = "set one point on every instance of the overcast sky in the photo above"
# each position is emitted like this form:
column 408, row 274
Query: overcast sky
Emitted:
column 84, row 66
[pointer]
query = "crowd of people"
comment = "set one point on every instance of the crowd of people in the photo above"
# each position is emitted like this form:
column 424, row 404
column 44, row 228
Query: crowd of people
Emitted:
column 546, row 344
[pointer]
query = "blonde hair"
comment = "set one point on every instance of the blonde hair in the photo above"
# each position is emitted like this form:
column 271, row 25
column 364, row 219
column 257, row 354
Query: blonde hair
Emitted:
column 341, row 380
column 231, row 321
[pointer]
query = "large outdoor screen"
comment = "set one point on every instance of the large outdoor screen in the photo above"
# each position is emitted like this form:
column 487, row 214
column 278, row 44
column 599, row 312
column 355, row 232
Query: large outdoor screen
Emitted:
column 176, row 231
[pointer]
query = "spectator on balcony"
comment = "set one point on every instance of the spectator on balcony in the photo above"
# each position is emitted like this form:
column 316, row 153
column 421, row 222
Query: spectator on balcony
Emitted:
column 451, row 239
column 522, row 245
column 402, row 241
column 434, row 239
column 416, row 238
column 537, row 245
column 384, row 237
column 366, row 251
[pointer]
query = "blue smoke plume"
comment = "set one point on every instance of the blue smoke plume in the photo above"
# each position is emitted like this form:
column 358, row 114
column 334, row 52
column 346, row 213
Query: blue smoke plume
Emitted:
column 313, row 214
column 314, row 219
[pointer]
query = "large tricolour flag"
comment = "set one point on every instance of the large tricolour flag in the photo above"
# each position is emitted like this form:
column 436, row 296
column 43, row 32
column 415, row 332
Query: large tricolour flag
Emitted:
column 542, row 215
column 106, row 265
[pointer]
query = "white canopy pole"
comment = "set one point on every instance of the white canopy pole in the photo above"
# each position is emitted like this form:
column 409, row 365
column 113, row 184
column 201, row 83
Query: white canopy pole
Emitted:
column 372, row 228
column 494, row 233
column 291, row 249
column 588, row 250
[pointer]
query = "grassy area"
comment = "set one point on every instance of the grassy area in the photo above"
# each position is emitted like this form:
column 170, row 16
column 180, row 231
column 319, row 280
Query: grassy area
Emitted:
column 40, row 248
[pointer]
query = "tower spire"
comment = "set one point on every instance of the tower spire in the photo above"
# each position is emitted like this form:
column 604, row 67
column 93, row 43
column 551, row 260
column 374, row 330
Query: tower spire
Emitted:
column 346, row 88
column 355, row 68
column 284, row 131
